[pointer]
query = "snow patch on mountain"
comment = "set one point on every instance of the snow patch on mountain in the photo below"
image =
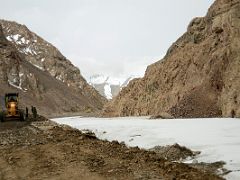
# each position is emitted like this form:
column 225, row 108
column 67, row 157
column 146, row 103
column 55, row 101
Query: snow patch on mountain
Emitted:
column 16, row 86
column 26, row 45
column 39, row 67
column 100, row 79
column 108, row 91
column 109, row 86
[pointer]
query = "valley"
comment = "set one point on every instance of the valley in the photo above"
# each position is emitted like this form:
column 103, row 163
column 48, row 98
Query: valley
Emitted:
column 180, row 121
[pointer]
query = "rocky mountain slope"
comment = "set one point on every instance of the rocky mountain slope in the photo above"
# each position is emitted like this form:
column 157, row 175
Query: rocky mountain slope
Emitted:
column 107, row 86
column 41, row 74
column 198, row 77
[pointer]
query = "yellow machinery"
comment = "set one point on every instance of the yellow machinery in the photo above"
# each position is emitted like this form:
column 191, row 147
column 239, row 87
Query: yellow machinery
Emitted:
column 12, row 110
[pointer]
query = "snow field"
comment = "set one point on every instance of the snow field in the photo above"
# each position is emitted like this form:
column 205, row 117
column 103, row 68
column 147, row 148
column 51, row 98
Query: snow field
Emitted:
column 218, row 139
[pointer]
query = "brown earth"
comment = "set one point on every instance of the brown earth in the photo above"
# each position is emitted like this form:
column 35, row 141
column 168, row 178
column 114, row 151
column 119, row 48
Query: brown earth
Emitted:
column 198, row 77
column 44, row 150
column 174, row 152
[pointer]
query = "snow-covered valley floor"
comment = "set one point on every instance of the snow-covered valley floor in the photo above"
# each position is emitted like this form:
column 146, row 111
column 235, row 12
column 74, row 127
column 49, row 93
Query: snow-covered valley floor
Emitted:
column 217, row 139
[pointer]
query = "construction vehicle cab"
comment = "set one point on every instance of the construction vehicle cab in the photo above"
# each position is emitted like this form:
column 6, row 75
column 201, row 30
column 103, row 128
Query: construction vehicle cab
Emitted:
column 12, row 110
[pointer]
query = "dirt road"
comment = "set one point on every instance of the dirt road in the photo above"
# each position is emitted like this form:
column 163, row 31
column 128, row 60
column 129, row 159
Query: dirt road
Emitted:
column 45, row 150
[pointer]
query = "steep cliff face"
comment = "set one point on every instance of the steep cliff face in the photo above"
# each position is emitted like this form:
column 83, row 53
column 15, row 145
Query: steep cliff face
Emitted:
column 42, row 75
column 198, row 77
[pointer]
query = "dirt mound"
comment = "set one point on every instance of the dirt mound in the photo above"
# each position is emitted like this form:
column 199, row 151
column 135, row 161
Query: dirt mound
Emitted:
column 174, row 152
column 199, row 75
column 216, row 167
column 45, row 150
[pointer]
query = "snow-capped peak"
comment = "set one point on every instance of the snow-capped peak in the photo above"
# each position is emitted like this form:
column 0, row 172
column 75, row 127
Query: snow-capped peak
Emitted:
column 101, row 79
column 109, row 86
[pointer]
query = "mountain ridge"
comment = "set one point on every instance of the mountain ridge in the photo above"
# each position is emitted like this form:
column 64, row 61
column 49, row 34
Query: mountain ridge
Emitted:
column 199, row 75
column 32, row 66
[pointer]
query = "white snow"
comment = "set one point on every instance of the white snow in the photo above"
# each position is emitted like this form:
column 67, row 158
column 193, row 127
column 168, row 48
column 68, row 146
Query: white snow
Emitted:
column 23, row 40
column 27, row 50
column 100, row 79
column 34, row 52
column 20, row 83
column 115, row 81
column 18, row 87
column 59, row 77
column 18, row 42
column 108, row 91
column 217, row 139
column 39, row 67
column 97, row 79
column 9, row 38
column 108, row 81
column 14, row 80
column 16, row 37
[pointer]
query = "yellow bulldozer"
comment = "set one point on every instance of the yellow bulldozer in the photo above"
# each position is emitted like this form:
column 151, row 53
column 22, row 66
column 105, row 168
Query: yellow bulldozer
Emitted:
column 11, row 110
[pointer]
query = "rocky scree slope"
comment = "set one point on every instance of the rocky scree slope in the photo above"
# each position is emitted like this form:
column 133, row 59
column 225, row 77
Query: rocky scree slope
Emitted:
column 41, row 74
column 198, row 77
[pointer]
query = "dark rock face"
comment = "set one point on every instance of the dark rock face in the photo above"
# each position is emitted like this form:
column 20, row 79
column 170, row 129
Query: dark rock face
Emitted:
column 42, row 75
column 198, row 77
